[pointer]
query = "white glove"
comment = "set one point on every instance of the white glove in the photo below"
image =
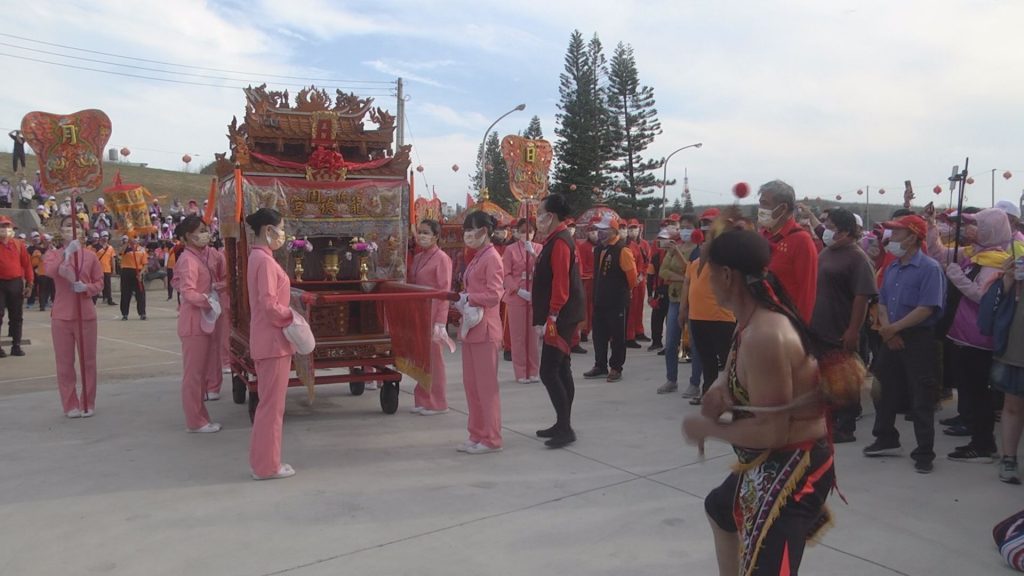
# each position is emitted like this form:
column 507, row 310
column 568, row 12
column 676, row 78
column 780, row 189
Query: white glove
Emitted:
column 529, row 248
column 463, row 301
column 78, row 286
column 524, row 294
column 441, row 336
column 539, row 331
column 71, row 248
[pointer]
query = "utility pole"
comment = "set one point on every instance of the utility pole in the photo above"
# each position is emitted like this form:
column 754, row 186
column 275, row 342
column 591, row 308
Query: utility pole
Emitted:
column 400, row 135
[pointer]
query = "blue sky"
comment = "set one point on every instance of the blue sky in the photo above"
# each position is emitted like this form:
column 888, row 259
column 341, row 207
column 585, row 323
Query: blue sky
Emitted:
column 831, row 96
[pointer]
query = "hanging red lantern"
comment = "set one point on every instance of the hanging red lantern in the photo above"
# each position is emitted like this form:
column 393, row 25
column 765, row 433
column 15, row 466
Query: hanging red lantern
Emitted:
column 970, row 179
column 937, row 189
column 186, row 158
column 125, row 151
column 839, row 197
column 881, row 191
column 741, row 190
column 1007, row 175
column 455, row 167
column 572, row 187
column 419, row 168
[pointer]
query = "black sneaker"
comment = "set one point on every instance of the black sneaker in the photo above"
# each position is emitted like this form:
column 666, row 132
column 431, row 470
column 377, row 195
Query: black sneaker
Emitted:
column 879, row 448
column 583, row 338
column 661, row 352
column 923, row 466
column 143, row 317
column 548, row 432
column 562, row 439
column 633, row 344
column 577, row 349
column 17, row 351
column 642, row 338
column 958, row 431
column 971, row 455
column 655, row 347
column 124, row 318
column 595, row 372
column 954, row 421
column 843, row 437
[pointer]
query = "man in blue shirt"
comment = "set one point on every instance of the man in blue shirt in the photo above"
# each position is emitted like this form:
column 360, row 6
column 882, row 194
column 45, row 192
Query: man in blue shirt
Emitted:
column 910, row 304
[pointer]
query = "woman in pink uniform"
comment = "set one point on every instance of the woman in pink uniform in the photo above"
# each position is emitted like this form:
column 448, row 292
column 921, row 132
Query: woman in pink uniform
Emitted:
column 77, row 276
column 519, row 260
column 433, row 268
column 483, row 289
column 219, row 267
column 200, row 350
column 269, row 295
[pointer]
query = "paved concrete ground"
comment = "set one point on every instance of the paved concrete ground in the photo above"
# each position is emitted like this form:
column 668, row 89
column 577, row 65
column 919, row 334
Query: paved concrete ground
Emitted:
column 129, row 492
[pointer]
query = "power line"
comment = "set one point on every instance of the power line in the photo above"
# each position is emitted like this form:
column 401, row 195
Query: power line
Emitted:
column 333, row 81
column 129, row 75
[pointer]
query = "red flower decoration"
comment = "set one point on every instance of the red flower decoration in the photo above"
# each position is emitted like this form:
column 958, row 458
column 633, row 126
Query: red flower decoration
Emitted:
column 741, row 190
column 324, row 159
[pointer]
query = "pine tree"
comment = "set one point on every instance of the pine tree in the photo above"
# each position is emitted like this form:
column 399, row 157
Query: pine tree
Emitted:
column 533, row 131
column 687, row 202
column 634, row 125
column 581, row 124
column 496, row 171
column 677, row 207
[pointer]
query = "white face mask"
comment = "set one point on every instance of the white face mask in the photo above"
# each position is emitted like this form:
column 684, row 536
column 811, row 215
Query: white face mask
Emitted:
column 202, row 239
column 634, row 233
column 828, row 237
column 274, row 237
column 685, row 234
column 766, row 218
column 475, row 239
column 6, row 233
column 896, row 249
column 424, row 240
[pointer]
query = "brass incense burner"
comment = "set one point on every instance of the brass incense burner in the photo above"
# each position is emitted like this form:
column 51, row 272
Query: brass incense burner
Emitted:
column 331, row 261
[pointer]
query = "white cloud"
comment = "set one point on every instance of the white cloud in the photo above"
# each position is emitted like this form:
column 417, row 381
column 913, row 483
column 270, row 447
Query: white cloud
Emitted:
column 396, row 69
column 449, row 118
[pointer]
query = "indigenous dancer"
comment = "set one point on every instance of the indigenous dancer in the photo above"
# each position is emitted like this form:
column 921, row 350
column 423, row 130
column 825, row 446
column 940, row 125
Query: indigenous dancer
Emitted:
column 77, row 276
column 483, row 287
column 519, row 259
column 197, row 323
column 763, row 514
column 269, row 295
column 433, row 268
column 558, row 302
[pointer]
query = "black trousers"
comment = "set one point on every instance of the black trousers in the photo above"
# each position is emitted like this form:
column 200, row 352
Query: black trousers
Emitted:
column 609, row 326
column 108, row 295
column 131, row 285
column 556, row 374
column 910, row 371
column 712, row 340
column 970, row 368
column 12, row 301
column 5, row 203
column 18, row 156
column 170, row 288
column 658, row 316
column 46, row 290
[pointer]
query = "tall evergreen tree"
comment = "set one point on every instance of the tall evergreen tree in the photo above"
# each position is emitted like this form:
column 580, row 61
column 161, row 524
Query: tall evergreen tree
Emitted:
column 687, row 201
column 581, row 124
column 533, row 131
column 496, row 173
column 634, row 125
column 677, row 207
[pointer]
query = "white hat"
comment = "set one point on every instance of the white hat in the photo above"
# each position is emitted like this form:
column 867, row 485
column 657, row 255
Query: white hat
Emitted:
column 1009, row 207
column 35, row 233
column 664, row 234
column 606, row 221
column 101, row 201
column 860, row 221
column 95, row 235
column 104, row 234
column 21, row 236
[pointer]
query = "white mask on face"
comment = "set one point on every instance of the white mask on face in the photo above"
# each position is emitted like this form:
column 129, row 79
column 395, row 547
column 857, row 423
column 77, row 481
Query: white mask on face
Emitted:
column 274, row 237
column 766, row 218
column 474, row 238
column 424, row 240
column 202, row 239
column 6, row 233
column 685, row 234
column 896, row 249
column 828, row 237
column 634, row 233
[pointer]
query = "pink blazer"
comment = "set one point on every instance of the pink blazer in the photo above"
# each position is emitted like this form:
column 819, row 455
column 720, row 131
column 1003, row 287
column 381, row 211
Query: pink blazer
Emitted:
column 194, row 281
column 519, row 266
column 483, row 281
column 269, row 297
column 89, row 271
column 433, row 268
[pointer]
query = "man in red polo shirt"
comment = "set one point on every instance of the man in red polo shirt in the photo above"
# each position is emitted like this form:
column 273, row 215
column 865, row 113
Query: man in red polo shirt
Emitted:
column 794, row 255
column 15, row 282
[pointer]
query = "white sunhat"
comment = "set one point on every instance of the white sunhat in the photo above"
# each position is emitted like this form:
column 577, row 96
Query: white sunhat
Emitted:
column 1008, row 207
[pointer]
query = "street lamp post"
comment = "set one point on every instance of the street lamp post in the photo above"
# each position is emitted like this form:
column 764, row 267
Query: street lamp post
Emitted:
column 664, row 175
column 483, row 145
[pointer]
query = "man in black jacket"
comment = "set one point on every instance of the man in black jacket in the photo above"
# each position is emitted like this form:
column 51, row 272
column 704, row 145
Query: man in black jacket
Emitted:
column 615, row 277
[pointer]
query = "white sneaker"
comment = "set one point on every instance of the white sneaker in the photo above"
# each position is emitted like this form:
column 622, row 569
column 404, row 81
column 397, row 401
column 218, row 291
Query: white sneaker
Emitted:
column 416, row 409
column 691, row 391
column 465, row 446
column 427, row 412
column 481, row 448
column 88, row 413
column 534, row 379
column 209, row 428
column 523, row 380
column 212, row 396
column 285, row 471
column 225, row 370
column 76, row 413
column 371, row 386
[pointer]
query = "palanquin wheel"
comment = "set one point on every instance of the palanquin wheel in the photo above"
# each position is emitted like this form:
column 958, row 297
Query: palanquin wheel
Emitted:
column 389, row 397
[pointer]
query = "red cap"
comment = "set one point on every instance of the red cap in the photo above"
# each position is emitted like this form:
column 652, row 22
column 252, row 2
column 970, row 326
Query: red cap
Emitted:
column 917, row 226
column 6, row 220
column 633, row 222
column 671, row 219
column 710, row 214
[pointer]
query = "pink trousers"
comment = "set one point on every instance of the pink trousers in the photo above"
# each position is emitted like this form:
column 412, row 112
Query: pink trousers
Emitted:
column 480, row 377
column 525, row 353
column 200, row 361
column 65, row 348
column 436, row 398
column 272, row 384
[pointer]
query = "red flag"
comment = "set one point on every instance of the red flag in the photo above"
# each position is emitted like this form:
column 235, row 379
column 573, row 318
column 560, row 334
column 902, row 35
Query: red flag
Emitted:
column 211, row 202
column 469, row 200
